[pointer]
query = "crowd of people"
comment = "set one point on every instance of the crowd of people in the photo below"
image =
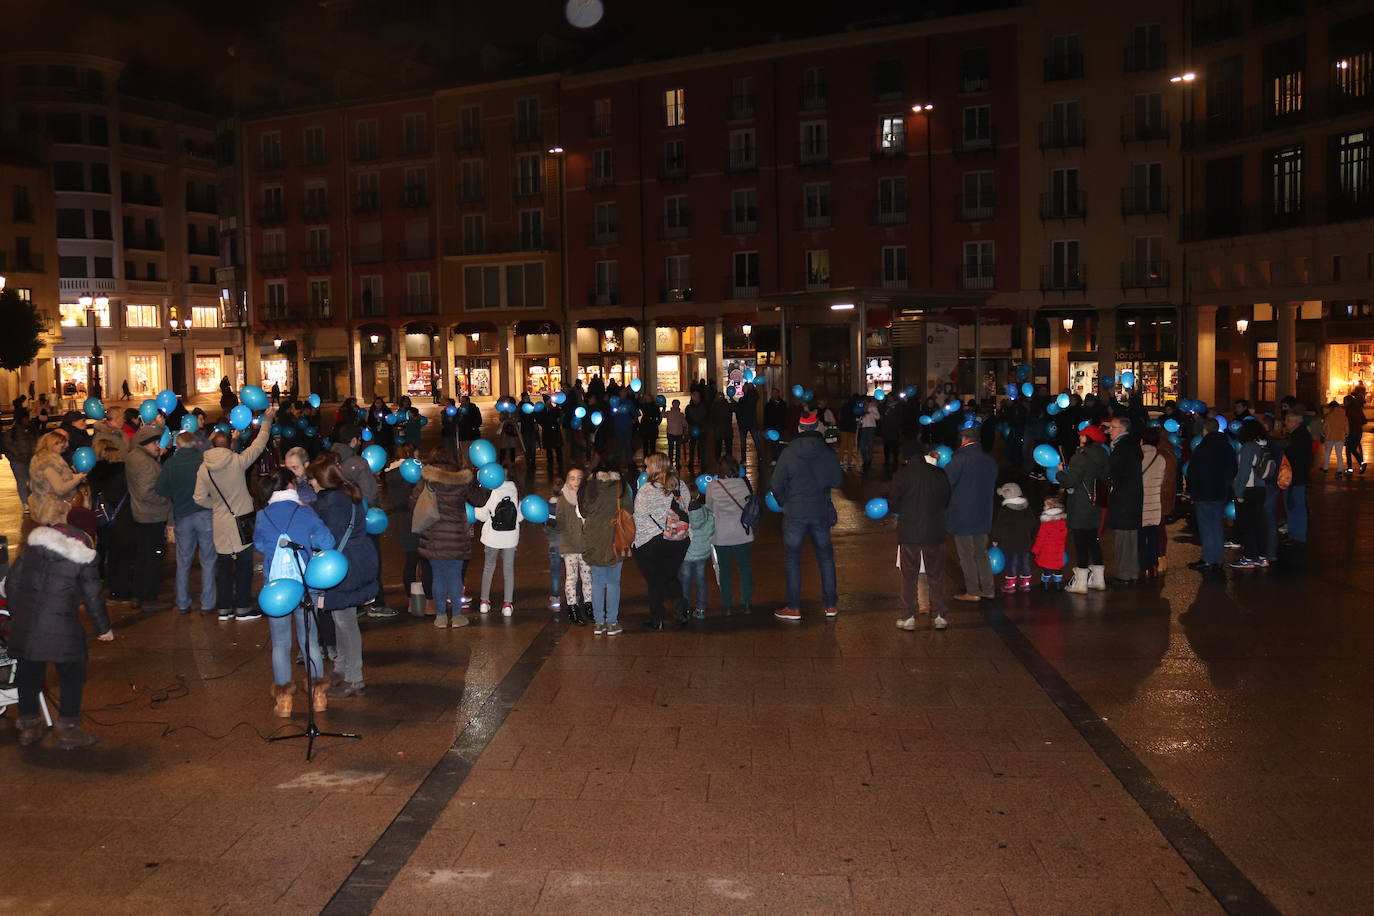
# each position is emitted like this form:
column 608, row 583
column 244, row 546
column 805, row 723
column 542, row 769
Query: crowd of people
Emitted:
column 267, row 495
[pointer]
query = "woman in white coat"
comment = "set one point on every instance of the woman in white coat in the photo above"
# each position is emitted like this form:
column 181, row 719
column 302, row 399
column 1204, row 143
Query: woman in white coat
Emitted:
column 500, row 516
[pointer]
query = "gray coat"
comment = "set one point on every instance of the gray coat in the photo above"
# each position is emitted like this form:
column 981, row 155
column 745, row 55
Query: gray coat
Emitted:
column 140, row 473
column 228, row 468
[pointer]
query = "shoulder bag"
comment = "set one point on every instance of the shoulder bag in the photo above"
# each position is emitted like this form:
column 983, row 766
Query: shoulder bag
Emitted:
column 244, row 523
column 426, row 512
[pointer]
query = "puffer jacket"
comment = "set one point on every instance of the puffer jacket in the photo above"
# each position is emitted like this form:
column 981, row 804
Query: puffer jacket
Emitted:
column 1013, row 528
column 805, row 474
column 360, row 585
column 56, row 572
column 1087, row 466
column 1153, row 467
column 1126, row 505
column 598, row 502
column 1050, row 539
column 568, row 523
column 450, row 538
column 52, row 484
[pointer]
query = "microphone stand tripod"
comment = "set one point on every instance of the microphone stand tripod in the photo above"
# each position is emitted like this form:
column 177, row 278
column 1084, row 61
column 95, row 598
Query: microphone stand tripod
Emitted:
column 312, row 730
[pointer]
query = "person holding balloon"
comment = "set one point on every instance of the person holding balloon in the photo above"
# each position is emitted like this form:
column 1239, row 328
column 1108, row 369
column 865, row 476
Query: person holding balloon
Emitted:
column 151, row 512
column 805, row 474
column 601, row 500
column 445, row 546
column 920, row 496
column 733, row 541
column 972, row 476
column 341, row 508
column 286, row 520
column 499, row 511
column 193, row 523
column 1084, row 480
column 1013, row 531
column 662, row 529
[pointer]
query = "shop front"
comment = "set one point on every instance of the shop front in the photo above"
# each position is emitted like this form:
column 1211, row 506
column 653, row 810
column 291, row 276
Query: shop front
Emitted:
column 1155, row 378
column 421, row 377
column 73, row 375
column 475, row 349
column 878, row 350
column 145, row 374
column 209, row 369
column 537, row 362
column 610, row 353
column 276, row 370
column 679, row 354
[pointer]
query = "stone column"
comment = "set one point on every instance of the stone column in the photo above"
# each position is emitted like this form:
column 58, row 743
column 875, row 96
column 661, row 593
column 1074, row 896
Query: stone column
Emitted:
column 399, row 375
column 445, row 355
column 568, row 351
column 355, row 366
column 648, row 360
column 506, row 383
column 858, row 380
column 715, row 352
column 1106, row 344
column 1201, row 349
column 1286, row 320
column 1058, row 377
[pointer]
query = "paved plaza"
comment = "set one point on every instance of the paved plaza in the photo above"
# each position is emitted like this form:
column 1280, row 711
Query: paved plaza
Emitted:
column 1187, row 747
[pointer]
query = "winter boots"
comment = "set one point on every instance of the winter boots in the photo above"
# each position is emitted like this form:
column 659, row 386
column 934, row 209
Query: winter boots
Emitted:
column 70, row 737
column 30, row 730
column 1079, row 584
column 281, row 700
column 319, row 695
column 1097, row 578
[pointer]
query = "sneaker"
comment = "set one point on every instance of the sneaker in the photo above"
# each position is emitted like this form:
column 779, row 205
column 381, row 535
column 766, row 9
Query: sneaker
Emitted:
column 248, row 613
column 939, row 622
column 1231, row 545
column 614, row 629
column 599, row 630
column 183, row 610
column 788, row 613
column 441, row 621
column 832, row 612
column 484, row 607
column 1010, row 584
column 699, row 613
column 1244, row 563
column 907, row 623
column 554, row 604
column 507, row 609
column 382, row 611
column 458, row 620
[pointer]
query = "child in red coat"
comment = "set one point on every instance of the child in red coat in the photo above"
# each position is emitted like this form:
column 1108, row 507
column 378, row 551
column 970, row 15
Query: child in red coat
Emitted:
column 1049, row 544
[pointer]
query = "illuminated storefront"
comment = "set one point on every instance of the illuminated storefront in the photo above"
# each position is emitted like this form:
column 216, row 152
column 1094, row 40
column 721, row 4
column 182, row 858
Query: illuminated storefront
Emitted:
column 209, row 370
column 276, row 370
column 541, row 374
column 420, row 380
column 145, row 374
column 611, row 353
column 73, row 374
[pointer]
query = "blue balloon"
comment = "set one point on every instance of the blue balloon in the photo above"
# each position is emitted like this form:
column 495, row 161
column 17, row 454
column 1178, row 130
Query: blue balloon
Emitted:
column 876, row 508
column 771, row 502
column 538, row 408
column 240, row 417
column 326, row 569
column 579, row 411
column 1230, row 511
column 924, row 420
column 223, row 428
column 527, row 407
column 1053, row 430
column 93, row 408
column 472, row 514
column 798, row 391
column 166, row 400
column 1023, row 372
column 1052, row 408
column 998, row 559
column 280, row 597
column 1233, row 427
column 1027, row 389
column 376, row 521
column 1199, row 406
column 166, row 440
column 1045, row 456
column 313, row 400
column 1012, row 390
column 1195, row 441
column 147, row 411
column 1107, row 380
column 302, row 423
column 411, row 469
column 491, row 475
column 312, row 431
column 1052, row 475
column 1063, row 400
column 559, row 397
column 773, row 435
column 367, row 435
column 1128, row 379
column 451, row 411
column 1083, row 425
column 696, row 432
column 879, row 394
column 615, row 402
column 596, row 418
column 375, row 456
column 945, row 455
column 275, row 429
column 390, row 419
column 747, row 375
column 190, row 423
column 662, row 401
column 704, row 481
column 576, row 423
column 1171, row 425
column 254, row 397
column 288, row 432
column 481, row 453
column 730, row 391
column 808, row 395
column 643, row 479
column 1175, row 440
column 83, row 459
column 636, row 384
column 535, row 508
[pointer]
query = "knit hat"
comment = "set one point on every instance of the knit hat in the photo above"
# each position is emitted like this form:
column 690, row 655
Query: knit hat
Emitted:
column 1095, row 433
column 1009, row 491
column 147, row 434
column 807, row 422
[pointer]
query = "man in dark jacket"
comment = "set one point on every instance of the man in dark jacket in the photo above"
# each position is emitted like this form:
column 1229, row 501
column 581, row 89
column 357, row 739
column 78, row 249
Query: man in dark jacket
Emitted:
column 1126, row 507
column 194, row 524
column 469, row 423
column 919, row 496
column 1211, row 469
column 1298, row 451
column 972, row 476
column 806, row 473
column 747, row 417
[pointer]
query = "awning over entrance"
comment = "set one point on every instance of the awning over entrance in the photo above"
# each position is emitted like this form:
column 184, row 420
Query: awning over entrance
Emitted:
column 474, row 327
column 609, row 324
column 894, row 301
column 523, row 328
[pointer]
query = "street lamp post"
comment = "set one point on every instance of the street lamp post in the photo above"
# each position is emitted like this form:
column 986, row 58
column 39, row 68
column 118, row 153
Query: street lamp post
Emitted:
column 1185, row 81
column 180, row 328
column 93, row 305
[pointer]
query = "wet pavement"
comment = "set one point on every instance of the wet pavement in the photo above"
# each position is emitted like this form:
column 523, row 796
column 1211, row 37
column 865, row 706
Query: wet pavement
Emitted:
column 1187, row 747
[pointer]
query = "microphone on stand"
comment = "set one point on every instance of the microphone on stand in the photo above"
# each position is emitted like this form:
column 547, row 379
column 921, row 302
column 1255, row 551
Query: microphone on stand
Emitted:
column 283, row 542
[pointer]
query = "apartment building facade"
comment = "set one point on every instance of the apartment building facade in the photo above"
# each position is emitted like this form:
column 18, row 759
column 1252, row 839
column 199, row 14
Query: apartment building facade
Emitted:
column 28, row 252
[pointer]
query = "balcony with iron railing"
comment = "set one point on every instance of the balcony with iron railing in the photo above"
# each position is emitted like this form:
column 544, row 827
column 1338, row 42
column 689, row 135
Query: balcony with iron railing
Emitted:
column 369, row 253
column 814, row 152
column 679, row 228
column 740, row 160
column 980, row 276
column 269, row 214
column 1353, row 202
column 975, row 206
column 744, row 223
column 529, row 187
column 603, row 296
column 1063, row 205
column 890, row 211
column 320, row 309
column 740, row 290
column 811, row 280
column 367, row 202
column 965, row 144
column 674, row 169
column 1140, row 129
column 1141, row 57
column 812, row 96
column 1142, row 200
column 415, row 197
column 417, row 304
column 141, row 197
column 369, row 306
column 1144, row 274
column 317, row 258
column 1063, row 278
column 271, row 161
column 814, row 220
column 202, row 249
column 314, row 209
column 1063, row 134
column 899, row 280
column 975, row 81
column 741, row 106
column 598, row 127
column 273, row 261
column 415, row 250
column 1066, row 65
column 598, row 180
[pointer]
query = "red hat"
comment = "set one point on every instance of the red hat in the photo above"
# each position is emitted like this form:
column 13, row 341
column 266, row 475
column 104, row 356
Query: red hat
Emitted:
column 808, row 420
column 1095, row 433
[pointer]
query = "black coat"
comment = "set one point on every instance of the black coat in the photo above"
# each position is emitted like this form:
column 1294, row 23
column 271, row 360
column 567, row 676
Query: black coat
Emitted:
column 360, row 584
column 1014, row 529
column 1126, row 507
column 1211, row 469
column 919, row 495
column 54, row 574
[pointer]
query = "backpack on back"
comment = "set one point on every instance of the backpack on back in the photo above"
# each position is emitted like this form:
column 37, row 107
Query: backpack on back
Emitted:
column 505, row 516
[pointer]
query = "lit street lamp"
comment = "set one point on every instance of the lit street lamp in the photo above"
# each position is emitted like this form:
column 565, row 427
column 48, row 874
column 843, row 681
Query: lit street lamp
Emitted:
column 93, row 306
column 180, row 328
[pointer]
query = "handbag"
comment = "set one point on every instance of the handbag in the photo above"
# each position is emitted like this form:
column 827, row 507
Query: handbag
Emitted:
column 426, row 512
column 622, row 528
column 244, row 523
column 678, row 525
column 749, row 511
column 1285, row 478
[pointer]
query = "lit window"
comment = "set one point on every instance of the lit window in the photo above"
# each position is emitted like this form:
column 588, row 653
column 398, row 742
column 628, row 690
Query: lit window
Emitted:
column 674, row 109
column 140, row 316
column 205, row 316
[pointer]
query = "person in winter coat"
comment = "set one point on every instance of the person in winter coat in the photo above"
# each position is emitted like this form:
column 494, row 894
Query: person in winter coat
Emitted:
column 720, row 418
column 650, row 418
column 297, row 460
column 972, row 476
column 1298, row 451
column 17, row 445
column 662, row 529
column 110, row 500
column 469, row 422
column 677, row 432
column 698, row 418
column 1013, row 530
column 1211, row 470
column 194, row 523
column 1354, row 433
column 602, row 495
column 1153, row 468
column 1254, row 466
column 1126, row 506
column 1168, row 498
column 569, row 522
column 890, row 428
column 507, row 439
column 221, row 488
column 692, row 573
column 55, row 573
column 867, row 427
column 747, row 418
column 805, row 474
column 340, row 507
column 395, row 497
column 726, row 497
column 1335, row 427
column 1087, row 469
column 52, row 482
column 447, row 544
column 151, row 512
column 287, row 519
column 919, row 497
column 1050, row 540
column 500, row 515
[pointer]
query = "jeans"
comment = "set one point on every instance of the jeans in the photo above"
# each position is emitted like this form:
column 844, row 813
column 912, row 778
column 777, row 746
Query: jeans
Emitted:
column 555, row 570
column 973, row 560
column 932, row 557
column 1210, row 515
column 234, row 578
column 1271, row 520
column 692, row 575
column 448, row 585
column 150, row 541
column 20, row 470
column 280, row 628
column 1295, row 501
column 196, row 534
column 740, row 556
column 1018, row 564
column 660, row 561
column 1330, row 447
column 606, row 594
column 1087, row 547
column 1127, row 544
column 675, row 451
column 28, row 677
column 867, row 435
column 795, row 532
column 1354, row 448
column 577, row 579
column 348, row 639
column 507, row 557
